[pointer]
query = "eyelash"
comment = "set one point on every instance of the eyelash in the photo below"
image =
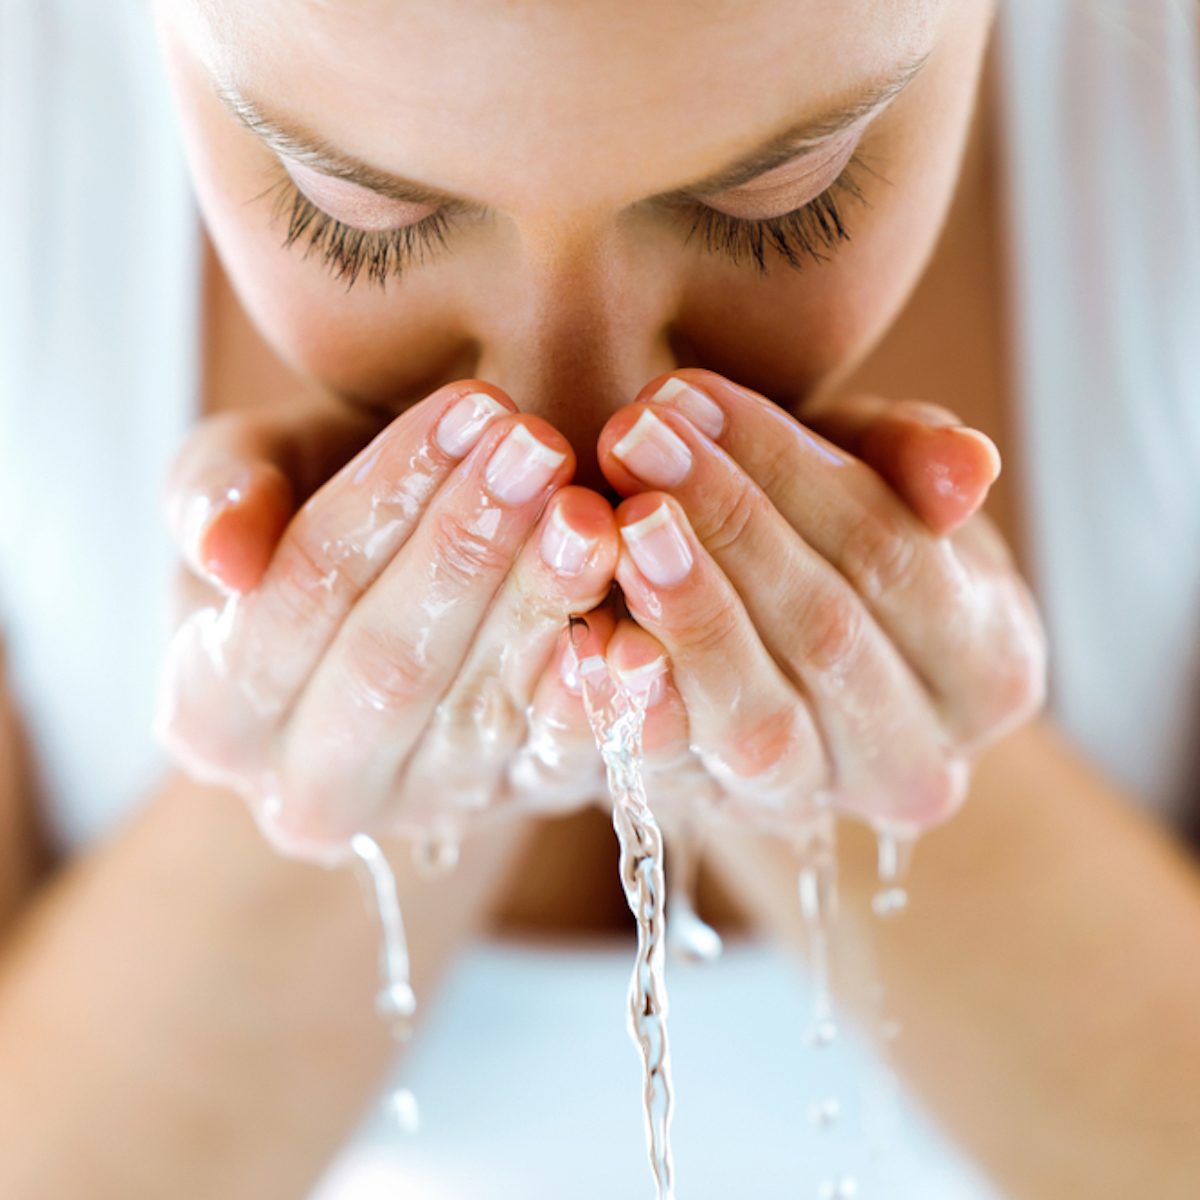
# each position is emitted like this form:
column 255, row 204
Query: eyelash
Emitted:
column 806, row 233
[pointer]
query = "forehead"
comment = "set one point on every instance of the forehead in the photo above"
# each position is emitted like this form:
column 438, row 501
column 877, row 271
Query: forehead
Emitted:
column 515, row 99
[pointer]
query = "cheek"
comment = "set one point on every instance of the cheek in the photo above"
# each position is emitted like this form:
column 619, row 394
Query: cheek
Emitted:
column 791, row 333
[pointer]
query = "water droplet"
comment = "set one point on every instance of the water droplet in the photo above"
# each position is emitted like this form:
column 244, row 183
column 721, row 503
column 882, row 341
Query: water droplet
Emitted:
column 889, row 902
column 841, row 1187
column 436, row 856
column 895, row 845
column 822, row 1033
column 402, row 1109
column 823, row 1113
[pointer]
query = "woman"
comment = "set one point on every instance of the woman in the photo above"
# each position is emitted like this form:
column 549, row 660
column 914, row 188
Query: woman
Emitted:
column 881, row 633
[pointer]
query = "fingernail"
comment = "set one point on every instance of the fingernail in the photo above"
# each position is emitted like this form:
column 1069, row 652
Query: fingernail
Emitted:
column 578, row 631
column 933, row 415
column 706, row 414
column 980, row 439
column 653, row 452
column 462, row 423
column 646, row 683
column 521, row 466
column 659, row 547
column 568, row 671
column 562, row 547
column 199, row 514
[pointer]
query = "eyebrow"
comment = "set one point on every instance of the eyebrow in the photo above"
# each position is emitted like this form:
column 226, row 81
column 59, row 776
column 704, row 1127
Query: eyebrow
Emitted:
column 800, row 138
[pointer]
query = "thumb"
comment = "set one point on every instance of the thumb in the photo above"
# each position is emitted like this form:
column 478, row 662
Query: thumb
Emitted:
column 240, row 476
column 941, row 468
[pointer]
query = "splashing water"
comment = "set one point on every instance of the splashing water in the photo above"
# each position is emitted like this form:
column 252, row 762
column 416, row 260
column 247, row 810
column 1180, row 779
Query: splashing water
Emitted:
column 395, row 1001
column 616, row 717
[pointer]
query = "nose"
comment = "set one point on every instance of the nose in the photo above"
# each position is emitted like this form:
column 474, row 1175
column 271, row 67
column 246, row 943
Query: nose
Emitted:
column 578, row 341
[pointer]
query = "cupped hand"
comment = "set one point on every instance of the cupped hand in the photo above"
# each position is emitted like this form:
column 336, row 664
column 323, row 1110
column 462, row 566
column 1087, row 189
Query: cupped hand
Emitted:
column 369, row 661
column 826, row 619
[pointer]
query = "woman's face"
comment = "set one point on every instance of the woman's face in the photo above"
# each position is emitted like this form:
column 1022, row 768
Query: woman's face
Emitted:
column 511, row 184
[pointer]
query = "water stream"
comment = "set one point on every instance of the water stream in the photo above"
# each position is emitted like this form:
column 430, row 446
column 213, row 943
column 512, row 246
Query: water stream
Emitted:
column 616, row 717
column 395, row 1001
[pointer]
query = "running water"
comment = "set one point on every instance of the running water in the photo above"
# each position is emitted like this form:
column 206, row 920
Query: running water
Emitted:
column 395, row 1001
column 817, row 887
column 896, row 843
column 688, row 937
column 616, row 717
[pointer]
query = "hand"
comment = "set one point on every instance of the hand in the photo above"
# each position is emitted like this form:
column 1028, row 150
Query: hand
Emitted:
column 828, row 633
column 367, row 662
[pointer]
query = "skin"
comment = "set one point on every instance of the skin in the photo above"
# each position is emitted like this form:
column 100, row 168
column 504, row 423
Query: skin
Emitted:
column 569, row 305
column 517, row 300
column 359, row 748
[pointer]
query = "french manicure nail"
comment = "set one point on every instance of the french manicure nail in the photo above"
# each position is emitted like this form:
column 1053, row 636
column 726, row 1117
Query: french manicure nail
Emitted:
column 521, row 466
column 654, row 452
column 462, row 423
column 647, row 682
column 703, row 412
column 658, row 547
column 563, row 548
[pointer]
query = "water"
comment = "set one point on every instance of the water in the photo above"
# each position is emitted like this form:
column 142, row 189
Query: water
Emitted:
column 838, row 1187
column 817, row 887
column 436, row 854
column 396, row 1002
column 688, row 937
column 896, row 844
column 616, row 717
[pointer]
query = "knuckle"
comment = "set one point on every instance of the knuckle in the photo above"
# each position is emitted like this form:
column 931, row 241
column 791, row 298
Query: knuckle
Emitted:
column 1014, row 686
column 482, row 715
column 878, row 554
column 707, row 630
column 464, row 551
column 728, row 515
column 833, row 632
column 769, row 758
column 386, row 674
column 308, row 577
column 542, row 601
column 775, row 464
column 1020, row 683
column 936, row 791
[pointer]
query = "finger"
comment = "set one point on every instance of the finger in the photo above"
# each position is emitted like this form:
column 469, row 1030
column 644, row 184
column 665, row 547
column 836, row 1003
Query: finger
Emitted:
column 565, row 567
column 756, row 734
column 559, row 768
column 880, row 728
column 956, row 618
column 392, row 661
column 344, row 536
column 675, row 778
column 940, row 467
column 236, row 482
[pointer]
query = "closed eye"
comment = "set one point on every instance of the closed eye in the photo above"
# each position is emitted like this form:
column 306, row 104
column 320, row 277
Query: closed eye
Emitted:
column 808, row 234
